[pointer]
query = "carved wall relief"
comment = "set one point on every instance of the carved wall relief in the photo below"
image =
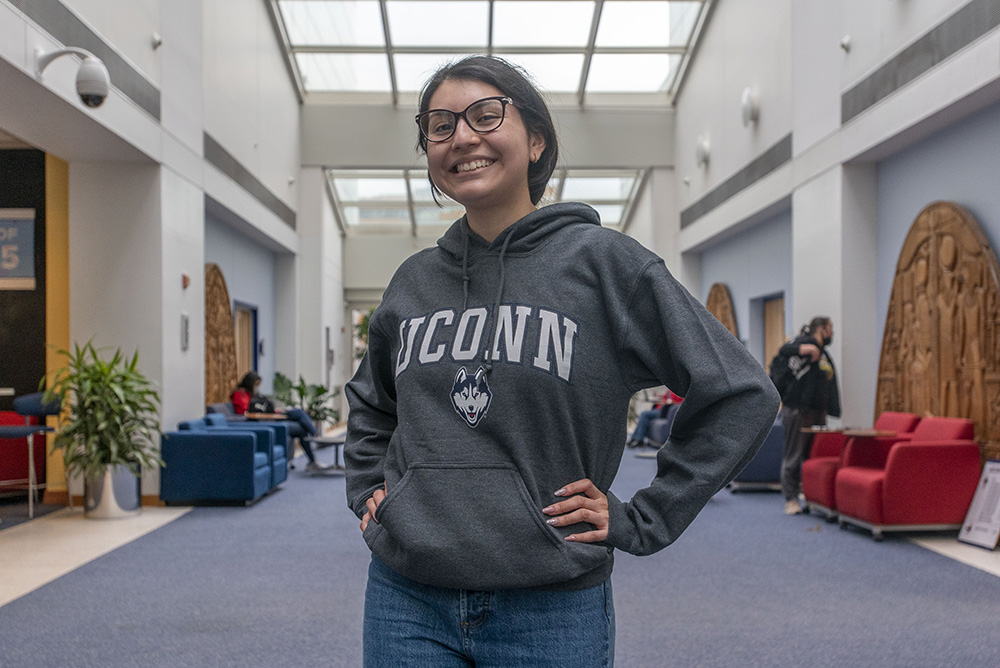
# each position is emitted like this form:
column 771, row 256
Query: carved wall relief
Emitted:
column 220, row 338
column 941, row 347
column 720, row 304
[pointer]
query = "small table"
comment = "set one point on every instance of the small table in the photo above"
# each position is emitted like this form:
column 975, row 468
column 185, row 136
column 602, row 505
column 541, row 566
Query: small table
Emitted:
column 868, row 433
column 323, row 441
column 270, row 417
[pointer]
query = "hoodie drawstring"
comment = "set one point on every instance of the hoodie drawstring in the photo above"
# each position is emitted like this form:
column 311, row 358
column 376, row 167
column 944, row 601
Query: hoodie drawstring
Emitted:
column 488, row 365
column 465, row 273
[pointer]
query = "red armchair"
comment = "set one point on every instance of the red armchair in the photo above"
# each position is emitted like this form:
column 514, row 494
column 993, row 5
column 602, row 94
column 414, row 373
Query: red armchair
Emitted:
column 820, row 470
column 14, row 454
column 922, row 482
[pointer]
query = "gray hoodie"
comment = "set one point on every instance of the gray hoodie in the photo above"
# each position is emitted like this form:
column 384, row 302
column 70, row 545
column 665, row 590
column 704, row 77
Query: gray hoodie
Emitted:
column 473, row 421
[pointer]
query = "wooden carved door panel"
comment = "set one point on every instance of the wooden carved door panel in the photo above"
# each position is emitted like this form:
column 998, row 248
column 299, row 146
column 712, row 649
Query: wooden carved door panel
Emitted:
column 941, row 346
column 720, row 304
column 220, row 338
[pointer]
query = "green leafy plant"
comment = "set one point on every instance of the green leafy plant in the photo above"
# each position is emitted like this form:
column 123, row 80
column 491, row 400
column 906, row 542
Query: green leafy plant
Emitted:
column 361, row 333
column 313, row 399
column 112, row 414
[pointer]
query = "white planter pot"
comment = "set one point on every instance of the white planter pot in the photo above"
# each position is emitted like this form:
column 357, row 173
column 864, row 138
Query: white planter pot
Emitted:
column 114, row 495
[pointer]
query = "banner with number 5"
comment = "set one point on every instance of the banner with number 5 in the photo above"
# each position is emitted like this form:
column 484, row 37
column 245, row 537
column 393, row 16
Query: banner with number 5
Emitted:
column 17, row 249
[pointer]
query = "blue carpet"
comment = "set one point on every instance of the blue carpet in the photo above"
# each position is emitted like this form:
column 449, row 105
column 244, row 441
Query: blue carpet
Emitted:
column 282, row 583
column 14, row 509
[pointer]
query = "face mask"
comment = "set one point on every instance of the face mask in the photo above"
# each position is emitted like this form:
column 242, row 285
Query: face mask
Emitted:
column 827, row 340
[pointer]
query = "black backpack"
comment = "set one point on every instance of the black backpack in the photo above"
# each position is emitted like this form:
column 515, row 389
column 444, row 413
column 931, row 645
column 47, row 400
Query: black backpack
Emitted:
column 261, row 404
column 781, row 374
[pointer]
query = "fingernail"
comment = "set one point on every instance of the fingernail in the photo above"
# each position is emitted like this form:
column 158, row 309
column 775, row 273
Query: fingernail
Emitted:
column 560, row 492
column 552, row 522
column 571, row 538
column 548, row 510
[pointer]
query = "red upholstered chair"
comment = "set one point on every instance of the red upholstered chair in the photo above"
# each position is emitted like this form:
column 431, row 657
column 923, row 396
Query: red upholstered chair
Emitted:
column 923, row 482
column 820, row 470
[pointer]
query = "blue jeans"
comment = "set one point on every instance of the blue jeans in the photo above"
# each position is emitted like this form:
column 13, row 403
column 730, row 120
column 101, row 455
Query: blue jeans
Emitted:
column 642, row 426
column 420, row 626
column 298, row 417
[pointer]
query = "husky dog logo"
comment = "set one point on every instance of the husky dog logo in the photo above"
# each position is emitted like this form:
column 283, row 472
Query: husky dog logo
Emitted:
column 471, row 396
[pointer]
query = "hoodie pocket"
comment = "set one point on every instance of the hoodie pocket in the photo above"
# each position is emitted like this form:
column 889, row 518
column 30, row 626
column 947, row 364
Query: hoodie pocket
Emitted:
column 473, row 526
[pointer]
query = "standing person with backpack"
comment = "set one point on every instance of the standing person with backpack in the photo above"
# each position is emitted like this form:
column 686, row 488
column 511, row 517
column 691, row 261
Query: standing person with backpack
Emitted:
column 804, row 374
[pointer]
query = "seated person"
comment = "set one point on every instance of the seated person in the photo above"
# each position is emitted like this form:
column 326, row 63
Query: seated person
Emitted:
column 247, row 399
column 659, row 410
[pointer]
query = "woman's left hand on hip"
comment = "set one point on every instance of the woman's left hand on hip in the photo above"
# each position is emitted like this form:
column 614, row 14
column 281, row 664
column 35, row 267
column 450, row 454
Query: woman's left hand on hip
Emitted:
column 586, row 503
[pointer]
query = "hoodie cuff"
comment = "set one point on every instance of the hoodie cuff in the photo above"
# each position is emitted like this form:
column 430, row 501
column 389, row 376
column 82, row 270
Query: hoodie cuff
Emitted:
column 619, row 526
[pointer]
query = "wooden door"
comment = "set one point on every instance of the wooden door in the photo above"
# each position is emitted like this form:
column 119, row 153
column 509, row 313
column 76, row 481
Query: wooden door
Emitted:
column 774, row 327
column 246, row 339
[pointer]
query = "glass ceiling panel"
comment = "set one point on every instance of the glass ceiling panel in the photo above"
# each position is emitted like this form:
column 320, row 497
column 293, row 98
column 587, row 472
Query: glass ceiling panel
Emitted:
column 462, row 23
column 545, row 23
column 357, row 189
column 340, row 45
column 631, row 72
column 345, row 22
column 611, row 214
column 377, row 200
column 421, row 187
column 430, row 214
column 414, row 69
column 554, row 72
column 634, row 23
column 356, row 72
column 372, row 216
column 683, row 17
column 598, row 187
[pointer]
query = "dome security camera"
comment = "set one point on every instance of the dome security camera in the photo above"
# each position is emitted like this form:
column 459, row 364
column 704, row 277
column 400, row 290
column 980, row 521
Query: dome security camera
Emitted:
column 92, row 82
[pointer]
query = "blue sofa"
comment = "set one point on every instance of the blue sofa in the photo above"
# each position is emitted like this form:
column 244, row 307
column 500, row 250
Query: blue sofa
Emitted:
column 208, row 461
column 763, row 472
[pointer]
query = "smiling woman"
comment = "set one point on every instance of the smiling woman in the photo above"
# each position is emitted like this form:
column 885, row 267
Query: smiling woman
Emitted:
column 488, row 416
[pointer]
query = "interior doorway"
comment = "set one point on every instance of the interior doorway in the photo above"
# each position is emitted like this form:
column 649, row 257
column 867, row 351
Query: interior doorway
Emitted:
column 245, row 323
column 774, row 326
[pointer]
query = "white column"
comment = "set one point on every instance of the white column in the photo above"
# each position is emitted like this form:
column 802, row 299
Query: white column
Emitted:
column 833, row 268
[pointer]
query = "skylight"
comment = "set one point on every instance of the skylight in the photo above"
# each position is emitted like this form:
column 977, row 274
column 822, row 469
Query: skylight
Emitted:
column 400, row 201
column 571, row 47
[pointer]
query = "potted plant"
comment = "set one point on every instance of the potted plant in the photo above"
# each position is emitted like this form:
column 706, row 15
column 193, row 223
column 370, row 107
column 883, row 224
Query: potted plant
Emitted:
column 313, row 399
column 361, row 333
column 108, row 430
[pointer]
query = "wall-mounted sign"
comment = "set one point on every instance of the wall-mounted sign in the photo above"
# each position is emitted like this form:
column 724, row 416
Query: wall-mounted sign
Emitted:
column 17, row 249
column 982, row 524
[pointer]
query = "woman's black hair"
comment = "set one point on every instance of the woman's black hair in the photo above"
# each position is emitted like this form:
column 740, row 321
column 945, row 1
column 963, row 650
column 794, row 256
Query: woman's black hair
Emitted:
column 515, row 83
column 249, row 381
column 815, row 324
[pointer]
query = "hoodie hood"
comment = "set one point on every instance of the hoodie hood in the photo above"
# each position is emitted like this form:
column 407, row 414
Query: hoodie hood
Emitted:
column 524, row 236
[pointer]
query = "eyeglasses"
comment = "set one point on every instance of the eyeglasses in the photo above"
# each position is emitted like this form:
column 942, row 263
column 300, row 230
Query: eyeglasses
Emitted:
column 483, row 116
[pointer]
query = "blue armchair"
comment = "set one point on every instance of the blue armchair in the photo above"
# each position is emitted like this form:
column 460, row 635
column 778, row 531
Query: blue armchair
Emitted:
column 763, row 472
column 216, row 465
column 275, row 434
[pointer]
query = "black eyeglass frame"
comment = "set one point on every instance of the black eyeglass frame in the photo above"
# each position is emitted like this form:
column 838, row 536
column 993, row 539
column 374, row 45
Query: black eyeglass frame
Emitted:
column 504, row 100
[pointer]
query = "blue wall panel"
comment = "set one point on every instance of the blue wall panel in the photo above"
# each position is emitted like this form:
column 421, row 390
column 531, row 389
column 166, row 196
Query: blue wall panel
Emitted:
column 753, row 264
column 249, row 271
